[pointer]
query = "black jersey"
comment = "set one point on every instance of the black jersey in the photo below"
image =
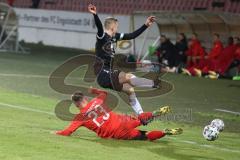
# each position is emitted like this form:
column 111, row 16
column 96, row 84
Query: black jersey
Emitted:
column 106, row 45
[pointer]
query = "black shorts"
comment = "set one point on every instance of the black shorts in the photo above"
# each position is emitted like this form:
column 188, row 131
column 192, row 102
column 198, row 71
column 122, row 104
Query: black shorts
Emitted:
column 108, row 78
column 142, row 136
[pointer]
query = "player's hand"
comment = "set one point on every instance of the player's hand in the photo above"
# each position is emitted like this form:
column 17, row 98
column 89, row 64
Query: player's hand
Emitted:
column 53, row 132
column 150, row 20
column 61, row 133
column 92, row 9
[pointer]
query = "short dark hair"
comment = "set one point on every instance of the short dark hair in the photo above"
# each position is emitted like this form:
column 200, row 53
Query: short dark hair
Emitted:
column 217, row 35
column 77, row 96
column 163, row 36
column 195, row 34
column 184, row 36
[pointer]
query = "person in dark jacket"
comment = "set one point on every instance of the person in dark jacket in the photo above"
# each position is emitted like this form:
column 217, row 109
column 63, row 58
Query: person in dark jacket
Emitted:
column 166, row 52
column 181, row 48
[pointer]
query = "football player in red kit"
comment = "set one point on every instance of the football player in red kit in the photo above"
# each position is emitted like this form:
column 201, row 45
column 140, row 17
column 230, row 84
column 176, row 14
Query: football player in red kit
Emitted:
column 95, row 116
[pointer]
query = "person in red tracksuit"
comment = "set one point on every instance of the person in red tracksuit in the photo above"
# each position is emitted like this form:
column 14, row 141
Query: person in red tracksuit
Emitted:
column 214, row 54
column 222, row 63
column 208, row 62
column 195, row 55
column 217, row 47
column 195, row 52
column 95, row 116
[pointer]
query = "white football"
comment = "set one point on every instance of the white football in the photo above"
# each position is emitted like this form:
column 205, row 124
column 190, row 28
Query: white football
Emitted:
column 218, row 123
column 210, row 133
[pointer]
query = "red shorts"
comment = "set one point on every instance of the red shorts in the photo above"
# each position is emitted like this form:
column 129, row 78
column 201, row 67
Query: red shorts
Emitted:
column 127, row 128
column 123, row 126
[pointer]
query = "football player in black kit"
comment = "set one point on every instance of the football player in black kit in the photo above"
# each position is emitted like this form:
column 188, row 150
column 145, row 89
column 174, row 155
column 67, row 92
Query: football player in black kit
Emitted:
column 108, row 77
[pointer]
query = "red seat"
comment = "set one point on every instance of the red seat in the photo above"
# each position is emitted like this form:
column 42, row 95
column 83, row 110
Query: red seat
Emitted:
column 128, row 6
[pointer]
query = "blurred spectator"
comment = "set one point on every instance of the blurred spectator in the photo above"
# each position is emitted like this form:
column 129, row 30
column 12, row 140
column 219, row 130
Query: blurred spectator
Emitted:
column 195, row 56
column 35, row 3
column 3, row 34
column 236, row 40
column 166, row 52
column 236, row 61
column 219, row 66
column 217, row 47
column 195, row 52
column 213, row 54
column 181, row 48
column 10, row 2
column 227, row 60
column 222, row 63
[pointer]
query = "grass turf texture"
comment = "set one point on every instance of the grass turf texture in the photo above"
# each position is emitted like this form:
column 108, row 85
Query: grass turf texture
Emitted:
column 27, row 115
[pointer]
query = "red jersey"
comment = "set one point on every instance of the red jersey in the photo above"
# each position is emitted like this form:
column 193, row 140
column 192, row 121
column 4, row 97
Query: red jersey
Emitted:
column 216, row 50
column 227, row 56
column 196, row 49
column 97, row 117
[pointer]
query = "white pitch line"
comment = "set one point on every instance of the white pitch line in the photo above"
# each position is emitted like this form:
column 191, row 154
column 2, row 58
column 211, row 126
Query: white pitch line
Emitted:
column 227, row 111
column 182, row 141
column 25, row 108
column 32, row 110
column 205, row 145
column 23, row 75
column 35, row 76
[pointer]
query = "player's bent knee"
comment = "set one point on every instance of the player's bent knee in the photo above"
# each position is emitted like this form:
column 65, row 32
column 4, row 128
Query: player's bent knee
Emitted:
column 122, row 74
column 131, row 90
column 128, row 89
column 121, row 77
column 129, row 76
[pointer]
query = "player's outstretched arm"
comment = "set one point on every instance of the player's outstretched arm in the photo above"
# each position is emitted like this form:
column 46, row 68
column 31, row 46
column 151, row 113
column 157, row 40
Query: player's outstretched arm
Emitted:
column 101, row 94
column 93, row 9
column 75, row 124
column 127, row 36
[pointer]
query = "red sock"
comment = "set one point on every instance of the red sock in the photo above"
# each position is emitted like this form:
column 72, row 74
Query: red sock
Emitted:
column 153, row 135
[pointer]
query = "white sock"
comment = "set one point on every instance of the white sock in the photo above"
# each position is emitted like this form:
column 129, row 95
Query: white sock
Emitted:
column 135, row 104
column 141, row 82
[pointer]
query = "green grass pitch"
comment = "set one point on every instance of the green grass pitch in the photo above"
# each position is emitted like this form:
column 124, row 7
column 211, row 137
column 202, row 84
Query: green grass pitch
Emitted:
column 27, row 116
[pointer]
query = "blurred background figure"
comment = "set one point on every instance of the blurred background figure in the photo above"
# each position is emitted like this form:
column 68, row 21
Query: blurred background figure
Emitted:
column 195, row 53
column 216, row 48
column 181, row 48
column 11, row 2
column 214, row 53
column 35, row 3
column 166, row 52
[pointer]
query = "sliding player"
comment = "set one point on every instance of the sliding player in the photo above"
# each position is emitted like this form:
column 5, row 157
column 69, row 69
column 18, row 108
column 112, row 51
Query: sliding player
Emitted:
column 95, row 116
column 105, row 51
